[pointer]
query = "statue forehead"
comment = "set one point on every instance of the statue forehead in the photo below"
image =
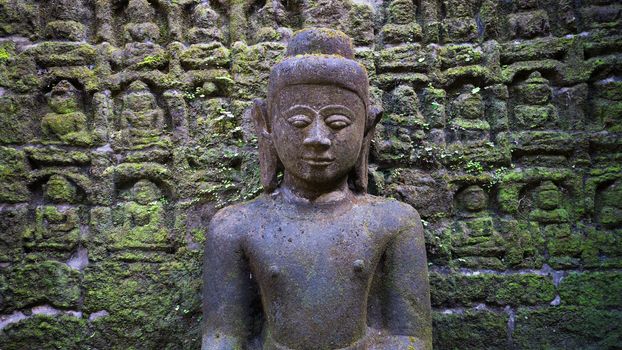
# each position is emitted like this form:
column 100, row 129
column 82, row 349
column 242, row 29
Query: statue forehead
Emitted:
column 318, row 95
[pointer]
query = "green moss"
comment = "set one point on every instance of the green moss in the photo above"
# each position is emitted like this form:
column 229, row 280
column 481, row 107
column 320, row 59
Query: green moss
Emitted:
column 549, row 216
column 153, row 61
column 140, row 226
column 531, row 117
column 201, row 56
column 476, row 72
column 524, row 244
column 402, row 33
column 596, row 289
column 59, row 190
column 456, row 290
column 69, row 30
column 536, row 49
column 470, row 330
column 4, row 55
column 558, row 328
column 470, row 124
column 69, row 128
column 47, row 282
column 460, row 55
column 53, row 155
column 509, row 72
column 45, row 332
column 602, row 248
column 149, row 305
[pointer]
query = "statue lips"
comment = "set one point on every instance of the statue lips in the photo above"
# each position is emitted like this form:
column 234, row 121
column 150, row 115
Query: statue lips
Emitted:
column 318, row 161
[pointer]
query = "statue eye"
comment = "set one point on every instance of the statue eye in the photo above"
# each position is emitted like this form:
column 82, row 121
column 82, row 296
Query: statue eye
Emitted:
column 299, row 121
column 338, row 121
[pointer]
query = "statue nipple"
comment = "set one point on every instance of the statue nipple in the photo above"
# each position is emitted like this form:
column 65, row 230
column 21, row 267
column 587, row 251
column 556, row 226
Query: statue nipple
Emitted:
column 358, row 265
column 274, row 271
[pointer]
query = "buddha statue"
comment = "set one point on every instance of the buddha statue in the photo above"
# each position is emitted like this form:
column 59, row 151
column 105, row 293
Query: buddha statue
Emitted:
column 315, row 262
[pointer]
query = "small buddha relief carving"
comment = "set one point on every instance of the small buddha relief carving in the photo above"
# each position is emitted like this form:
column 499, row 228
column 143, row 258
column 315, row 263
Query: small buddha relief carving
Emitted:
column 331, row 266
column 476, row 242
column 141, row 121
column 140, row 220
column 66, row 123
column 207, row 24
column 65, row 20
column 57, row 221
column 141, row 35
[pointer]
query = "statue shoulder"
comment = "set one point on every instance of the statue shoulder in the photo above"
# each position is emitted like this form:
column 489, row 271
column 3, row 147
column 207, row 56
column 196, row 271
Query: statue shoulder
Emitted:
column 238, row 218
column 397, row 215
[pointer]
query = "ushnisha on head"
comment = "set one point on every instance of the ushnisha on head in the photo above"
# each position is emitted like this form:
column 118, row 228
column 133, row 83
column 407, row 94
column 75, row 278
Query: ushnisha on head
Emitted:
column 320, row 78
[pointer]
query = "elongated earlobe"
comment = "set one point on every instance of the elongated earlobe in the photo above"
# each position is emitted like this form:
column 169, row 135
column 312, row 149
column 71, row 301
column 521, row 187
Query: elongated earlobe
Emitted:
column 360, row 169
column 268, row 159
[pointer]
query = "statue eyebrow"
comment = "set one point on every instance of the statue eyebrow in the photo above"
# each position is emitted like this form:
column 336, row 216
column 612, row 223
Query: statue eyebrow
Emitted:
column 331, row 109
column 299, row 109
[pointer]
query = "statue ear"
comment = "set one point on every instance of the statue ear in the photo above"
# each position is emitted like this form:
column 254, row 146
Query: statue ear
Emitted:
column 373, row 117
column 360, row 168
column 268, row 159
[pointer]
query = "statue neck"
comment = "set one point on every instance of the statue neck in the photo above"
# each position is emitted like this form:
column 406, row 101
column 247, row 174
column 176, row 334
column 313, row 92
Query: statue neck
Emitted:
column 299, row 191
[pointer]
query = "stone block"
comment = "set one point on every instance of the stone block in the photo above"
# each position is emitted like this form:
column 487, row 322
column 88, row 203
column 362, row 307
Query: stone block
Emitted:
column 44, row 282
column 457, row 290
column 567, row 328
column 147, row 305
column 592, row 288
column 410, row 58
column 470, row 329
column 17, row 108
column 460, row 29
column 13, row 167
column 46, row 332
column 13, row 221
column 530, row 24
column 203, row 56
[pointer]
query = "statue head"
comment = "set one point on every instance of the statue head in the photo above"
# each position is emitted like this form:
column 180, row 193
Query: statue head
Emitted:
column 139, row 98
column 144, row 192
column 548, row 196
column 64, row 98
column 317, row 124
column 473, row 198
column 59, row 189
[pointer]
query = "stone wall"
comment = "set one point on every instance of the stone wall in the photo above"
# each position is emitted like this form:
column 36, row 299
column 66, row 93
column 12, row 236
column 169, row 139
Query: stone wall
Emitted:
column 123, row 129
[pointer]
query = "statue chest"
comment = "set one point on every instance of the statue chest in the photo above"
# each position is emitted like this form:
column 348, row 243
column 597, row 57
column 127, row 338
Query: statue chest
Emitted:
column 296, row 259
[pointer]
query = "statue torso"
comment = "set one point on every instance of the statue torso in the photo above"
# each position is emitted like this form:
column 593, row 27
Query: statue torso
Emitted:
column 314, row 266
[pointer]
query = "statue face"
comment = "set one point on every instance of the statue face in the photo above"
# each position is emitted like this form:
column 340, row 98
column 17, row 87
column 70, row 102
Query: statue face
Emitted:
column 474, row 198
column 318, row 131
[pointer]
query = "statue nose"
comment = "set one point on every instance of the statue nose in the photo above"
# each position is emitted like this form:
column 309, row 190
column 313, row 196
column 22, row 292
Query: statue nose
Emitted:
column 318, row 136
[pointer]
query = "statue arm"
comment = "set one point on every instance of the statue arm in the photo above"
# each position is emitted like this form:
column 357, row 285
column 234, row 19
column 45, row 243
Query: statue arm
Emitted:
column 226, row 287
column 406, row 299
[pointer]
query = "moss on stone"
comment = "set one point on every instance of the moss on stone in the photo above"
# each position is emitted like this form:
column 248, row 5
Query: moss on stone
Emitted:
column 455, row 290
column 567, row 328
column 46, row 332
column 595, row 289
column 43, row 282
column 470, row 330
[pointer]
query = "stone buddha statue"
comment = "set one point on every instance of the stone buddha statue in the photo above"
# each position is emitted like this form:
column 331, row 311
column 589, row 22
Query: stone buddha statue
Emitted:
column 315, row 262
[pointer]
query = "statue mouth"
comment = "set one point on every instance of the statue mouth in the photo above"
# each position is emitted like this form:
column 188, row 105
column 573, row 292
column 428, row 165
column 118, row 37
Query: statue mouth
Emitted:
column 318, row 160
